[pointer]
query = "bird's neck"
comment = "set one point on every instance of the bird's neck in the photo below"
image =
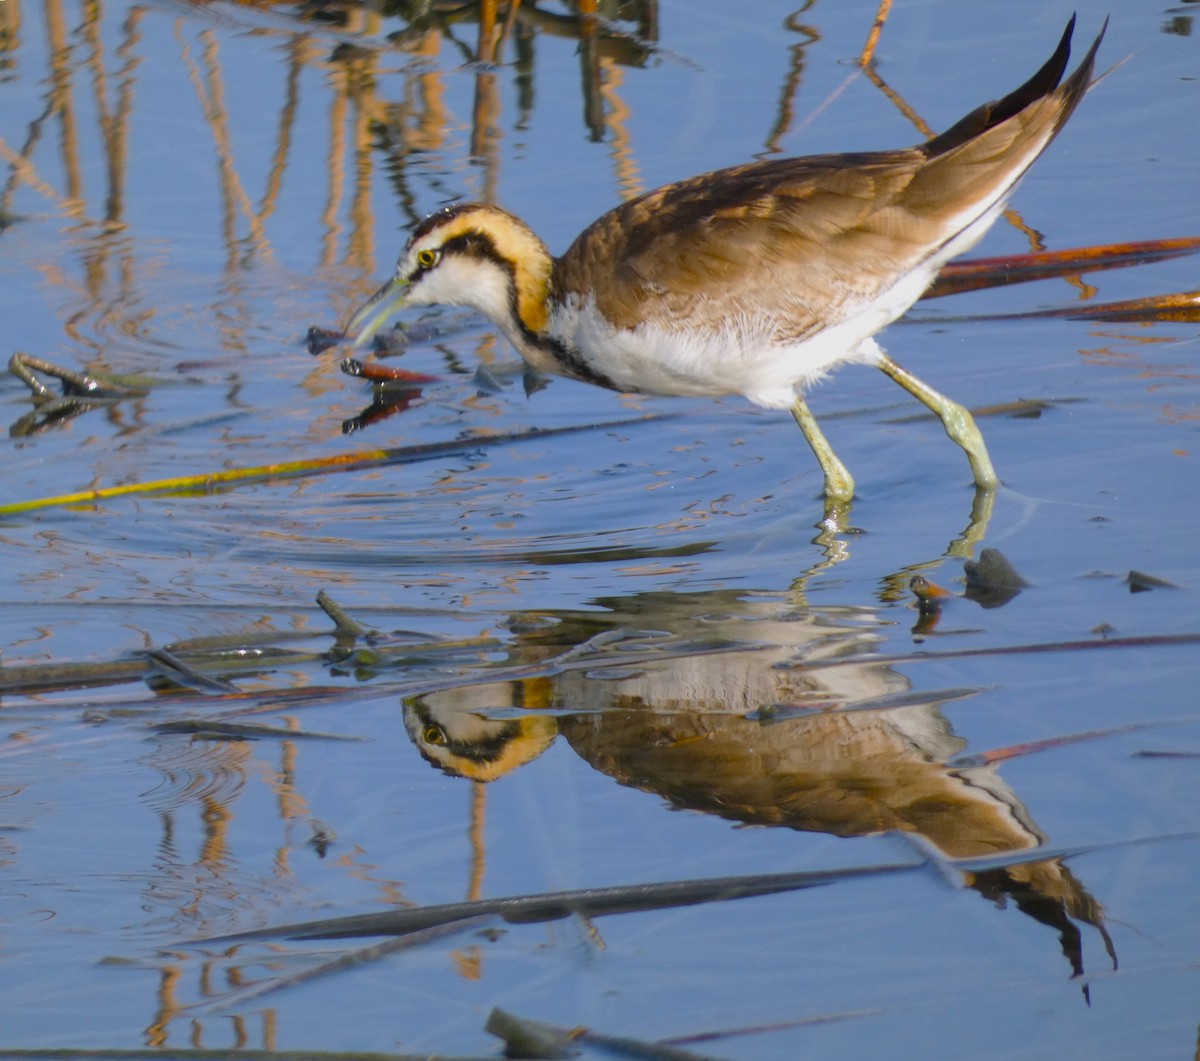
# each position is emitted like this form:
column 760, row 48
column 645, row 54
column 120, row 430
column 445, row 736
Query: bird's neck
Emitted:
column 528, row 318
column 514, row 292
column 531, row 281
column 517, row 293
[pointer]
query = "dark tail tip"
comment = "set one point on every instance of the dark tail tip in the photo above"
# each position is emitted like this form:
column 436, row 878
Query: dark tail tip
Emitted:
column 1045, row 81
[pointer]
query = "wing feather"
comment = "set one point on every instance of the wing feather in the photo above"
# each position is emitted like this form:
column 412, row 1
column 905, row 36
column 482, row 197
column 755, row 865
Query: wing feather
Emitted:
column 820, row 236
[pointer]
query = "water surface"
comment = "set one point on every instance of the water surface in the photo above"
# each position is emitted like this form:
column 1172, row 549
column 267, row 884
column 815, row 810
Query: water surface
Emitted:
column 631, row 631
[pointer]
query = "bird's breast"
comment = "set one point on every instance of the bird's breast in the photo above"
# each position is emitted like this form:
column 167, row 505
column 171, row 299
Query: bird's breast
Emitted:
column 760, row 354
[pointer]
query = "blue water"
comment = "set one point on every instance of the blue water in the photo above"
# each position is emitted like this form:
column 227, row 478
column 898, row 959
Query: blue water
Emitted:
column 205, row 183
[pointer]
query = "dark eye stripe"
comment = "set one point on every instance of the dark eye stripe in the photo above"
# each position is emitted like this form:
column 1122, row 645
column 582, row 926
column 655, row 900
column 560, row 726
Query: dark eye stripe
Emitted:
column 476, row 244
column 480, row 245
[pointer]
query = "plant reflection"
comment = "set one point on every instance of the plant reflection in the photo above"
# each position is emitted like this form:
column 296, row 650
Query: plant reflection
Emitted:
column 385, row 124
column 751, row 734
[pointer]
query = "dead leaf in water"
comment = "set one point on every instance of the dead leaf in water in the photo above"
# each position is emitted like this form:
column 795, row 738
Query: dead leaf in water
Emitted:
column 1140, row 582
column 992, row 581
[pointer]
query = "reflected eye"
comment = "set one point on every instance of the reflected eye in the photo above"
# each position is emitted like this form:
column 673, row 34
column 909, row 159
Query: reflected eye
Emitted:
column 427, row 258
column 433, row 734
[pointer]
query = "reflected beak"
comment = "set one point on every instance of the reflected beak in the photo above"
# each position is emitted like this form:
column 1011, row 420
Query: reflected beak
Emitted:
column 376, row 311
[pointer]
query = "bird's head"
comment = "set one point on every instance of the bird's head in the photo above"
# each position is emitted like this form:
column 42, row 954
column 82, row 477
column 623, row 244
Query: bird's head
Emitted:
column 463, row 742
column 471, row 255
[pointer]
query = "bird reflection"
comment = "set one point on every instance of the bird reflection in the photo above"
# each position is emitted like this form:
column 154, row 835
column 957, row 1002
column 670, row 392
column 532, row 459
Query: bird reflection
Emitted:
column 717, row 713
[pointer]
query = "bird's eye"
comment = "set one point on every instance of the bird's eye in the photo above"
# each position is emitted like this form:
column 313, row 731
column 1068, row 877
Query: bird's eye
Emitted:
column 433, row 734
column 427, row 258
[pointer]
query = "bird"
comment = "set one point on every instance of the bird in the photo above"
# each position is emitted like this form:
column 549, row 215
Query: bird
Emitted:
column 755, row 280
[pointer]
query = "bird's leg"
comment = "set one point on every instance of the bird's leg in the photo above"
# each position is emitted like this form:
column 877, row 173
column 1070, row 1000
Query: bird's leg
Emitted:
column 956, row 419
column 839, row 484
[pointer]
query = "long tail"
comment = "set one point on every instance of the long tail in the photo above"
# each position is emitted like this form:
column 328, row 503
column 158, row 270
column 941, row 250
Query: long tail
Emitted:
column 974, row 166
column 1044, row 85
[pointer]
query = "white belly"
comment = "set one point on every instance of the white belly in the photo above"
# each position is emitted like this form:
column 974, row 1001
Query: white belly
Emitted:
column 742, row 356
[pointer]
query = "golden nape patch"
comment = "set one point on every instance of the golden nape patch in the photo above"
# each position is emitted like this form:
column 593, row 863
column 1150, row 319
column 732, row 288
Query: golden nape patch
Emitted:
column 516, row 243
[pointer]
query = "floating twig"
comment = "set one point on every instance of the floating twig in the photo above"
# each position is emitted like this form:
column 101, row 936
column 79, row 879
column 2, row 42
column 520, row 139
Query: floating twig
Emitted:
column 554, row 906
column 1141, row 641
column 211, row 482
column 355, row 958
column 537, row 1039
column 217, row 730
column 977, row 273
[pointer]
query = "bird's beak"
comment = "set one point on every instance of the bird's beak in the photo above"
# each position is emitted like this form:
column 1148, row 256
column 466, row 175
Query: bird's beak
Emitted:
column 374, row 313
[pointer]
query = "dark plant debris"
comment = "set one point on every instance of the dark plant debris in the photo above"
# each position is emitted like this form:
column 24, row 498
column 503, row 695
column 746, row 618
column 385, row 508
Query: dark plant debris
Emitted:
column 1140, row 582
column 992, row 581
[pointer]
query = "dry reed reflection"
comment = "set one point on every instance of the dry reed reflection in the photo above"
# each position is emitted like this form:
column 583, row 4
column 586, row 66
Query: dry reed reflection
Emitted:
column 382, row 124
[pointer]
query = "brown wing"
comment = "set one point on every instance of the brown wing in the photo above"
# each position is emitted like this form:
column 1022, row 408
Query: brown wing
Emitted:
column 716, row 245
column 832, row 231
